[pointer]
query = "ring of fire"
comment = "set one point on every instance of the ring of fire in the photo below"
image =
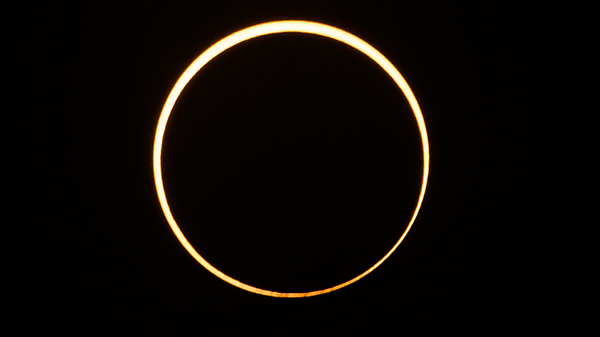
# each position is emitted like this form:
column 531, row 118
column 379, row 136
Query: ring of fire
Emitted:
column 250, row 33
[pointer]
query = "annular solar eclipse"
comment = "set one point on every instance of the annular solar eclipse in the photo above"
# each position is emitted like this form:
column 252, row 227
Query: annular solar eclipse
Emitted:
column 263, row 29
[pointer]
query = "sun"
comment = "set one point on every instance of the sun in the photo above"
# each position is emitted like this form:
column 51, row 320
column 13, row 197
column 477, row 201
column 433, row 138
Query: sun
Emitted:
column 276, row 27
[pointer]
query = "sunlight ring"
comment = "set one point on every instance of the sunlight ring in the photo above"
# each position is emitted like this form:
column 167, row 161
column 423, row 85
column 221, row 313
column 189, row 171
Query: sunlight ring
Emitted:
column 275, row 27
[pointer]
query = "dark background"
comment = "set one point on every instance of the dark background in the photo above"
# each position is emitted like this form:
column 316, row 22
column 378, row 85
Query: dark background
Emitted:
column 293, row 163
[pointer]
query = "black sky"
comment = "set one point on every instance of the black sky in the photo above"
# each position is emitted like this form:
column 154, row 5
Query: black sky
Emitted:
column 293, row 163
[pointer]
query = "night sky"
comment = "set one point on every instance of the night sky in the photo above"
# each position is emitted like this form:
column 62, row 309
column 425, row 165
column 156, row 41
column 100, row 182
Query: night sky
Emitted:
column 293, row 163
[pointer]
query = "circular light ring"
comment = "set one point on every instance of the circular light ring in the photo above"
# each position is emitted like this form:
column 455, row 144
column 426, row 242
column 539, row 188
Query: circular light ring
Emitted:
column 275, row 27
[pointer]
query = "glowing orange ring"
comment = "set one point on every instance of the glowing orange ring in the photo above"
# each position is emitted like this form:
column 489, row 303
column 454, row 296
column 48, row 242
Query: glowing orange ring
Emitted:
column 266, row 29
